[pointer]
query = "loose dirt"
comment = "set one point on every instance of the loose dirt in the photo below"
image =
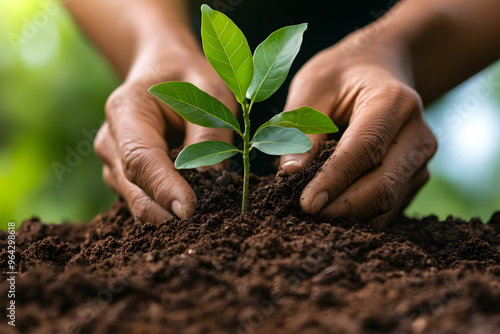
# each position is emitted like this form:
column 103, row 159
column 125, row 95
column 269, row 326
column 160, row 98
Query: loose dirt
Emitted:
column 272, row 270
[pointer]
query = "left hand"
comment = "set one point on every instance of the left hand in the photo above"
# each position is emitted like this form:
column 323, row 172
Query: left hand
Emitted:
column 380, row 162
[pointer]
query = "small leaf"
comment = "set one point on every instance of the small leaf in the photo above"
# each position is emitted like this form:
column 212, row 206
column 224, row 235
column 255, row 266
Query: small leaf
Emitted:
column 273, row 59
column 276, row 140
column 195, row 105
column 204, row 154
column 227, row 50
column 306, row 119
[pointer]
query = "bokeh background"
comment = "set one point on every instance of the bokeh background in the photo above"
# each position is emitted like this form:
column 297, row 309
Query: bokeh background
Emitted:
column 53, row 86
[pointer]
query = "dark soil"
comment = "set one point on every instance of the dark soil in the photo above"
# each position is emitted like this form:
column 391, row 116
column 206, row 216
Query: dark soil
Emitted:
column 273, row 270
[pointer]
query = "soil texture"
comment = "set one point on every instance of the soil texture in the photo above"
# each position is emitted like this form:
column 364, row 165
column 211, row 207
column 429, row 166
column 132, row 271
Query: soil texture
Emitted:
column 272, row 270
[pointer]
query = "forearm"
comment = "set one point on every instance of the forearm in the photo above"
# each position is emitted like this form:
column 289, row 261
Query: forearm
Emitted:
column 444, row 42
column 126, row 31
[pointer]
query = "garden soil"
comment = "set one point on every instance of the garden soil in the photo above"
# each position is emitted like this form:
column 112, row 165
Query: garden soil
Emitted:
column 272, row 270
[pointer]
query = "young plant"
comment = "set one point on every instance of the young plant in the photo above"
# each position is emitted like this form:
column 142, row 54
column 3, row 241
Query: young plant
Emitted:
column 251, row 79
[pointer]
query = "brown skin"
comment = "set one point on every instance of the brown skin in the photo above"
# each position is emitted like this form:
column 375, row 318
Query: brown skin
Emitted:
column 369, row 80
column 133, row 142
column 379, row 163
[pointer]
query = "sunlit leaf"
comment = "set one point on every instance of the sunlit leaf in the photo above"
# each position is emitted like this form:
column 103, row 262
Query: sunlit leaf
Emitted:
column 276, row 140
column 306, row 119
column 273, row 59
column 204, row 154
column 195, row 105
column 227, row 50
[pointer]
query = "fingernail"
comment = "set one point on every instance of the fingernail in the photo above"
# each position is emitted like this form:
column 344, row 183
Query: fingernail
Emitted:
column 290, row 166
column 178, row 209
column 319, row 202
column 290, row 163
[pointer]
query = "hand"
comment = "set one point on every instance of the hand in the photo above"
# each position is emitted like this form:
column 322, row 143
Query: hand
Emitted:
column 380, row 162
column 134, row 141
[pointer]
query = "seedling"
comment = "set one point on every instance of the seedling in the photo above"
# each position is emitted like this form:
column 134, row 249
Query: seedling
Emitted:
column 251, row 79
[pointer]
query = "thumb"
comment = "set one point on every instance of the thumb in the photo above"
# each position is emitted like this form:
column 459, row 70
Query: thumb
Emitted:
column 292, row 163
column 301, row 97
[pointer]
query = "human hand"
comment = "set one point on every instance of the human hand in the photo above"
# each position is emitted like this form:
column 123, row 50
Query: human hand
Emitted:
column 133, row 143
column 380, row 162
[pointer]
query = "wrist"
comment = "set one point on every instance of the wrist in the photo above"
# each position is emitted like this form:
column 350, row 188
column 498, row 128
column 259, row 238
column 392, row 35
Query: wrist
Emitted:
column 165, row 39
column 417, row 38
column 159, row 30
column 376, row 45
column 163, row 59
column 163, row 52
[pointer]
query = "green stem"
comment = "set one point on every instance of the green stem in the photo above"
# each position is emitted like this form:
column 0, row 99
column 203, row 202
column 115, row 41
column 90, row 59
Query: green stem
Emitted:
column 246, row 155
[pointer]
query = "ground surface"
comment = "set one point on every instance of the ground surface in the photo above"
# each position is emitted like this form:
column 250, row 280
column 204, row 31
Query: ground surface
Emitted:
column 273, row 270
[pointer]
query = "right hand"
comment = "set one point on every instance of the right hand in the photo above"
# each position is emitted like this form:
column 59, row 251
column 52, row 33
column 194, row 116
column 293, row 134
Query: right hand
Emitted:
column 379, row 164
column 134, row 141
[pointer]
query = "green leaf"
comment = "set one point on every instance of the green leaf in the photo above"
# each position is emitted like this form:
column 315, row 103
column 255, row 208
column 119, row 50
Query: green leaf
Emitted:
column 273, row 59
column 204, row 154
column 195, row 105
column 306, row 119
column 276, row 140
column 227, row 50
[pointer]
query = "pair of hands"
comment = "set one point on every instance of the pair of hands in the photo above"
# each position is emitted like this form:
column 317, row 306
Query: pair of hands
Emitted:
column 376, row 169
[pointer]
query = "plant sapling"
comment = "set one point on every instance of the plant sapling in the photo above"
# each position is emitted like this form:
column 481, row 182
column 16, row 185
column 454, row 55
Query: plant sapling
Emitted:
column 251, row 79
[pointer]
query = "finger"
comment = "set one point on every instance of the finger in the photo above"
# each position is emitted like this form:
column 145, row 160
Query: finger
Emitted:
column 376, row 120
column 142, row 207
column 380, row 190
column 292, row 163
column 300, row 96
column 109, row 179
column 138, row 130
column 103, row 144
column 417, row 182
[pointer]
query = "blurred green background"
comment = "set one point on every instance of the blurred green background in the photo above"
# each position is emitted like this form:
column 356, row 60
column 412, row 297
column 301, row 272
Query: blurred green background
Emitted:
column 53, row 86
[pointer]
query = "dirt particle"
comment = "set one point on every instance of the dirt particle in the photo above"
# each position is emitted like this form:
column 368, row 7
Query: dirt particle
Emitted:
column 274, row 269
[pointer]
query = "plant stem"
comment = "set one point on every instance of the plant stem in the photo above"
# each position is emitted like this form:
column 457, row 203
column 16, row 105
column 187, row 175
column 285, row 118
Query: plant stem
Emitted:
column 246, row 155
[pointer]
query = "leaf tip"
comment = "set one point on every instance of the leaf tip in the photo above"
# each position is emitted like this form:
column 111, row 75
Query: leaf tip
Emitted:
column 152, row 89
column 302, row 27
column 310, row 143
column 176, row 164
column 206, row 8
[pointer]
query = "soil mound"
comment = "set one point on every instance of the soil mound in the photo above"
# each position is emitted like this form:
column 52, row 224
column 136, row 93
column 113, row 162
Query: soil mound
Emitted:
column 272, row 270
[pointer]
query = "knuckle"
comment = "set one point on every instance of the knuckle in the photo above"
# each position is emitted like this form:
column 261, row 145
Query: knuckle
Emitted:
column 110, row 180
column 112, row 104
column 140, row 168
column 134, row 161
column 372, row 148
column 413, row 99
column 386, row 192
column 309, row 80
column 409, row 97
column 431, row 144
column 106, row 174
column 344, row 173
column 425, row 176
column 99, row 142
column 139, row 207
column 401, row 98
column 424, row 149
column 128, row 99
